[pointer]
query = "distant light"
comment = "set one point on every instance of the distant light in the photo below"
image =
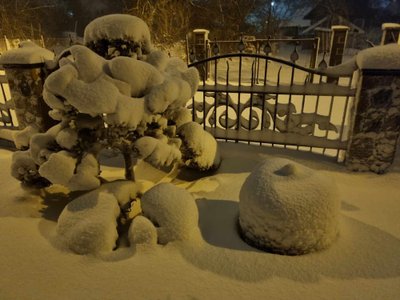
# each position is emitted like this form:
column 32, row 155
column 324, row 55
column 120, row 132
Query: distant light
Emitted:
column 273, row 3
column 70, row 13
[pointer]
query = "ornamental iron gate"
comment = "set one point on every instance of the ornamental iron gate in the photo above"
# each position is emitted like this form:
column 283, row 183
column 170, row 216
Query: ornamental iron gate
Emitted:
column 262, row 99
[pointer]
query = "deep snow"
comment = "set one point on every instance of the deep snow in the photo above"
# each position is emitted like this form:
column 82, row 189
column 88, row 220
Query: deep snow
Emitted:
column 362, row 264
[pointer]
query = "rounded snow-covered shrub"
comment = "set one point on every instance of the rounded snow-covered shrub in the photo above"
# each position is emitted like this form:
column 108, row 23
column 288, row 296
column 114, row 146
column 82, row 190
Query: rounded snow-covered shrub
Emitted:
column 288, row 208
column 88, row 224
column 199, row 148
column 118, row 35
column 142, row 231
column 172, row 210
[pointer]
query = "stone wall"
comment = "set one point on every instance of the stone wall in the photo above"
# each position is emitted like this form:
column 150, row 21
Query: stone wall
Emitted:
column 26, row 86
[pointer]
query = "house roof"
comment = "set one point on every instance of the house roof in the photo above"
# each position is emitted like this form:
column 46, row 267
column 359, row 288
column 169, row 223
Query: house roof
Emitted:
column 297, row 18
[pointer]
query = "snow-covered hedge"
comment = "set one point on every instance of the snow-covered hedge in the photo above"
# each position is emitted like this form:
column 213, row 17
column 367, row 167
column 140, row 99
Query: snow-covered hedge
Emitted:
column 288, row 208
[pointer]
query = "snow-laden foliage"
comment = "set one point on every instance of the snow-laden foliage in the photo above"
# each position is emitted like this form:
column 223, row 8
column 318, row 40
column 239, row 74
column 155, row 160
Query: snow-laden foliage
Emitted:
column 136, row 104
column 200, row 149
column 288, row 208
column 172, row 210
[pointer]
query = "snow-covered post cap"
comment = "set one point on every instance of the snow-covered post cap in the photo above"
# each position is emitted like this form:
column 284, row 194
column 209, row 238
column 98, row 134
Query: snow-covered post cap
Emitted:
column 386, row 57
column 390, row 33
column 118, row 34
column 27, row 54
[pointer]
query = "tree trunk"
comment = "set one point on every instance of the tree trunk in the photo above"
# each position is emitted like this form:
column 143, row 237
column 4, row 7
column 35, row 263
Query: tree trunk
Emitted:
column 129, row 174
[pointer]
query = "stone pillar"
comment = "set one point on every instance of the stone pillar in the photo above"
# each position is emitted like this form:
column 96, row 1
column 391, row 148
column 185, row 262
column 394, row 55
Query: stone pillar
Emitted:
column 26, row 86
column 338, row 44
column 376, row 124
column 25, row 71
column 390, row 33
column 200, row 50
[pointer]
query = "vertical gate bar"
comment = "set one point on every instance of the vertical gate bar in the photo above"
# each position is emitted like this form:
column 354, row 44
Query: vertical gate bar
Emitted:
column 215, row 92
column 346, row 108
column 204, row 100
column 289, row 103
column 316, row 109
column 239, row 94
column 253, row 69
column 263, row 97
column 276, row 101
column 330, row 115
column 227, row 97
column 303, row 101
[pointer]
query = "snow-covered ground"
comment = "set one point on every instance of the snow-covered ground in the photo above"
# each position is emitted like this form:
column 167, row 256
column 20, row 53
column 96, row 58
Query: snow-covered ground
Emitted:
column 215, row 264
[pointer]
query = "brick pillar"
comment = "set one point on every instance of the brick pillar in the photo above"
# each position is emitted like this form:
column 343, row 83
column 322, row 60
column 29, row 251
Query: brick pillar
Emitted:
column 376, row 125
column 338, row 44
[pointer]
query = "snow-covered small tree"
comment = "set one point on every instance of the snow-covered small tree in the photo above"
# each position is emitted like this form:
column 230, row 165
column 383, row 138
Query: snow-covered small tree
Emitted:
column 135, row 103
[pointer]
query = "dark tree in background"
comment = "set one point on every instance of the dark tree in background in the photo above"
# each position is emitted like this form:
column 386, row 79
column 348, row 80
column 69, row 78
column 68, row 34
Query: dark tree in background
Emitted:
column 168, row 20
column 171, row 20
column 23, row 18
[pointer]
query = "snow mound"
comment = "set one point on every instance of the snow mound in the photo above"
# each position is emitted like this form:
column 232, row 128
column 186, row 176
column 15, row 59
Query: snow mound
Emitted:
column 142, row 231
column 119, row 26
column 88, row 224
column 172, row 210
column 27, row 53
column 199, row 148
column 288, row 208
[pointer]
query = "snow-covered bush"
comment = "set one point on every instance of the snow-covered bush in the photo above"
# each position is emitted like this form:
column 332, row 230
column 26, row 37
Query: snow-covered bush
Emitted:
column 142, row 231
column 134, row 103
column 88, row 224
column 288, row 208
column 172, row 210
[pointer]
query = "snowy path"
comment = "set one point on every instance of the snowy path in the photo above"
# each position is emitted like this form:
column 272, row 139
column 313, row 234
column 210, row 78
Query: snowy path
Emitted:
column 362, row 264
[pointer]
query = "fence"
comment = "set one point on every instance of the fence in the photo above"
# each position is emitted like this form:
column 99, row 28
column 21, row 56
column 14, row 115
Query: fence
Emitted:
column 7, row 114
column 283, row 48
column 277, row 103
